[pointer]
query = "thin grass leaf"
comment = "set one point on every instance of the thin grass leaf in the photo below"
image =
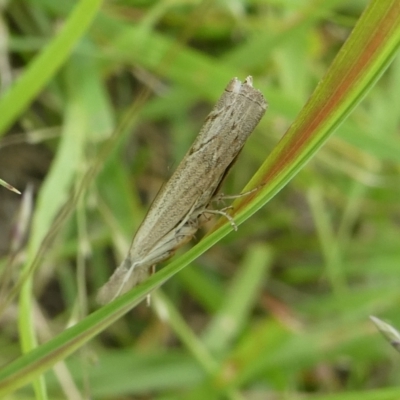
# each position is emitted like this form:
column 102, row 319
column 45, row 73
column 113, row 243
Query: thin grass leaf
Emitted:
column 365, row 56
column 391, row 334
column 9, row 187
column 362, row 60
column 46, row 64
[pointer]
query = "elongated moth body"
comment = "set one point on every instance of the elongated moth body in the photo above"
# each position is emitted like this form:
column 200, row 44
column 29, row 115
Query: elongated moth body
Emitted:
column 173, row 217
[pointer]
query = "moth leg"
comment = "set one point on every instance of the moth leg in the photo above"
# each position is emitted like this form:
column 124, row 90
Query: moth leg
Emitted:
column 220, row 197
column 226, row 215
column 152, row 271
column 127, row 275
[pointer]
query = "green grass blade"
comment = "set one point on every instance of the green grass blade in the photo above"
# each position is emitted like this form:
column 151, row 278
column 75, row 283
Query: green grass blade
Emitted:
column 46, row 64
column 364, row 57
column 362, row 60
column 9, row 187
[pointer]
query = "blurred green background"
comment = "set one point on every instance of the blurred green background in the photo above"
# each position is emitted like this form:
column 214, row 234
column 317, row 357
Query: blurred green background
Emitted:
column 277, row 310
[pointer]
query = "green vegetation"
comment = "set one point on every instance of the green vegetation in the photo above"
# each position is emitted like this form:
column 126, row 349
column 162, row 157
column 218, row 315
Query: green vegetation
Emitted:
column 117, row 92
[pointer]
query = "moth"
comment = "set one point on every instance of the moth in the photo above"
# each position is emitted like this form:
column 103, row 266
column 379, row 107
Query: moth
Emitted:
column 174, row 216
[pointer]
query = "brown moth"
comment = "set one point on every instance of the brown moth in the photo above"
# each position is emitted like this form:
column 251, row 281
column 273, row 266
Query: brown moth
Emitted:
column 173, row 217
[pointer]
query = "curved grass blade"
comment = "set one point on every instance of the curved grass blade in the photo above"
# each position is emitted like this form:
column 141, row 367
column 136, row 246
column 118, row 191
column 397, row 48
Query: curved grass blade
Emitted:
column 9, row 187
column 362, row 60
column 391, row 334
column 46, row 64
column 364, row 57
